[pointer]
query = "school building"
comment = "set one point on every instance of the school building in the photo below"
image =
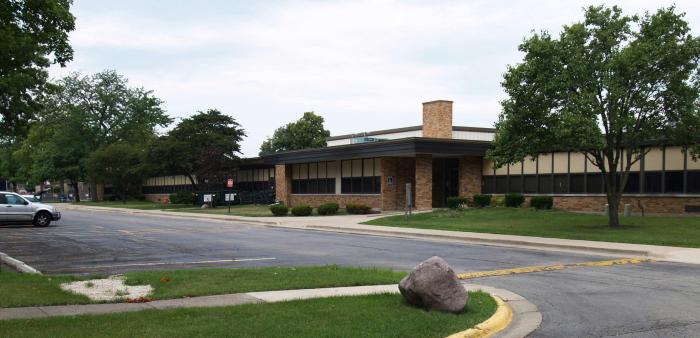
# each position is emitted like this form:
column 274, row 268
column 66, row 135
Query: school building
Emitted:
column 440, row 160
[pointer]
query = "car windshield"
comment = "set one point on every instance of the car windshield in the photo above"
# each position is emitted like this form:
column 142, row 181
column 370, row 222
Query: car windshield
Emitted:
column 31, row 198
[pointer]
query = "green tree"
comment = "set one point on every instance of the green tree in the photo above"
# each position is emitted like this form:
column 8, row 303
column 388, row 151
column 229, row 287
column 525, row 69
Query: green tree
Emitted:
column 307, row 132
column 33, row 35
column 120, row 164
column 606, row 86
column 202, row 147
column 83, row 114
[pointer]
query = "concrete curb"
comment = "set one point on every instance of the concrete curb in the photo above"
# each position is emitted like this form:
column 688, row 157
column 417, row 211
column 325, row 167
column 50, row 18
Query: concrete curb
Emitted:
column 514, row 318
column 17, row 264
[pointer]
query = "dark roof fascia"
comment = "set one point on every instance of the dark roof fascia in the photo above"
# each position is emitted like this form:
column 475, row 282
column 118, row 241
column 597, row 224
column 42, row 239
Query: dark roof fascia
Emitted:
column 400, row 147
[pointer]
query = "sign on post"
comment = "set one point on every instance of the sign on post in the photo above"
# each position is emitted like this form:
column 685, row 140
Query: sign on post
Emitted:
column 229, row 183
column 409, row 199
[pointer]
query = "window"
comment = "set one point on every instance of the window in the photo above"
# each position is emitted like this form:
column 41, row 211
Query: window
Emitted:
column 693, row 181
column 361, row 176
column 13, row 200
column 545, row 184
column 652, row 182
column 530, row 184
column 576, row 184
column 632, row 186
column 514, row 184
column 487, row 184
column 501, row 184
column 561, row 184
column 674, row 181
column 594, row 184
column 314, row 178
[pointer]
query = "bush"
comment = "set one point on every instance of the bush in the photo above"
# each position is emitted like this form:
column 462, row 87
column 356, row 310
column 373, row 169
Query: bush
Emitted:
column 302, row 210
column 456, row 202
column 542, row 202
column 358, row 209
column 328, row 209
column 279, row 210
column 514, row 200
column 182, row 197
column 482, row 200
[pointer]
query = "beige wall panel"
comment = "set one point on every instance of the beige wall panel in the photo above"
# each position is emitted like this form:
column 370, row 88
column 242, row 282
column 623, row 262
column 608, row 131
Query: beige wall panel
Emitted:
column 529, row 166
column 313, row 170
column 516, row 169
column 502, row 170
column 674, row 158
column 322, row 169
column 378, row 167
column 488, row 167
column 578, row 162
column 592, row 168
column 295, row 171
column 368, row 167
column 561, row 163
column 652, row 161
column 356, row 168
column 304, row 171
column 693, row 165
column 333, row 169
column 347, row 164
column 545, row 163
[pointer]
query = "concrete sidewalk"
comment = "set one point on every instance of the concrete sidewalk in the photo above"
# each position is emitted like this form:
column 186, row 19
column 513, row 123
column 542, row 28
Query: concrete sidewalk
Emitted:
column 351, row 224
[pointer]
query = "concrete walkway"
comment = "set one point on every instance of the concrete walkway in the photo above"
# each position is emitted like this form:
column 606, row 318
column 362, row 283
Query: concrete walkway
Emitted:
column 351, row 224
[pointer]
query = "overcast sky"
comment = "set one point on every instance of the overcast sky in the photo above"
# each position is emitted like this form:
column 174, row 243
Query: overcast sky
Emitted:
column 362, row 65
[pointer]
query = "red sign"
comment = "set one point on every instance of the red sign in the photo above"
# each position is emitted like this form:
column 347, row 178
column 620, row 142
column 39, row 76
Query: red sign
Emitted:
column 229, row 183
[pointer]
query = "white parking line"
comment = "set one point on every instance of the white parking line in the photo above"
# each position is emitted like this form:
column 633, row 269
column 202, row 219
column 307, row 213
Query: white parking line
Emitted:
column 180, row 263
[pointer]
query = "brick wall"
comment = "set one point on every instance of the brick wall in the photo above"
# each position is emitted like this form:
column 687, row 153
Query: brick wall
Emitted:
column 159, row 198
column 374, row 201
column 470, row 169
column 651, row 204
column 437, row 119
column 424, row 182
column 283, row 182
column 402, row 169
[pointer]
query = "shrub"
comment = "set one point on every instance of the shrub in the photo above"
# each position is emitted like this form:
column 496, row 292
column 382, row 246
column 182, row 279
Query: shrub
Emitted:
column 301, row 210
column 328, row 209
column 279, row 210
column 358, row 209
column 182, row 197
column 542, row 202
column 514, row 200
column 482, row 200
column 456, row 202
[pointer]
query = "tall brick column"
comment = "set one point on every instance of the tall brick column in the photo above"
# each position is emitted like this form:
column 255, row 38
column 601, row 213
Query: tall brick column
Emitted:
column 470, row 170
column 437, row 119
column 283, row 183
column 424, row 182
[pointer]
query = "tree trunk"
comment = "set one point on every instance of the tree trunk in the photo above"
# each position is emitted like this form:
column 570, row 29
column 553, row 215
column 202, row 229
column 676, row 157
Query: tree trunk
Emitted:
column 613, row 209
column 76, row 190
column 124, row 193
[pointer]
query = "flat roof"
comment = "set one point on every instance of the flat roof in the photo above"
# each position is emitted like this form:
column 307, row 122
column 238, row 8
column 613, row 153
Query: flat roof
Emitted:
column 405, row 129
column 408, row 147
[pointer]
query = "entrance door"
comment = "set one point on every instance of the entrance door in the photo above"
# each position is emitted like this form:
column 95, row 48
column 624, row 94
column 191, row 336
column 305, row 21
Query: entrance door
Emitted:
column 445, row 180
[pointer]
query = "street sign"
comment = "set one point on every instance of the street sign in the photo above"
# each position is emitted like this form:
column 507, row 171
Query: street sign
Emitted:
column 230, row 197
column 229, row 183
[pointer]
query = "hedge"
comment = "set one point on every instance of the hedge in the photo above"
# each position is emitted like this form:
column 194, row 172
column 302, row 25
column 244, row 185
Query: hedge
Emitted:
column 358, row 209
column 514, row 200
column 482, row 200
column 301, row 210
column 542, row 202
column 456, row 202
column 328, row 209
column 279, row 210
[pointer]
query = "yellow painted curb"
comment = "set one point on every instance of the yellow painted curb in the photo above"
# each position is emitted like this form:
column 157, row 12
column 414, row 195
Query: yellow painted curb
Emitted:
column 497, row 322
column 529, row 269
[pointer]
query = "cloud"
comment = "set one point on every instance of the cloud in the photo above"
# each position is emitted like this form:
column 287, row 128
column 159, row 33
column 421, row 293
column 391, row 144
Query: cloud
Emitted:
column 363, row 65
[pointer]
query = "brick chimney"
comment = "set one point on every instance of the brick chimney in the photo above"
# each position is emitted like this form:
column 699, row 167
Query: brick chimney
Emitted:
column 437, row 119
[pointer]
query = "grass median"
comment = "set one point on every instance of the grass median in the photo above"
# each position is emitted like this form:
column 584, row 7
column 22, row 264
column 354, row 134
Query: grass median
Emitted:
column 18, row 290
column 681, row 231
column 366, row 316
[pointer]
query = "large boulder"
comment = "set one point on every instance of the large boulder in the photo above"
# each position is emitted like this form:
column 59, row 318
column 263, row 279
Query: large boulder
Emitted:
column 433, row 285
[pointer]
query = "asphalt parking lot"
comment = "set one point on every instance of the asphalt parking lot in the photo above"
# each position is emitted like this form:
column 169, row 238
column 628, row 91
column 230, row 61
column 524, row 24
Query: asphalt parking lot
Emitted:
column 640, row 300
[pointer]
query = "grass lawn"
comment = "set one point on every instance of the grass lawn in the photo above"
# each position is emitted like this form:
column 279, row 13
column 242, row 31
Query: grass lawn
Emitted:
column 200, row 282
column 28, row 290
column 363, row 316
column 17, row 290
column 134, row 204
column 657, row 230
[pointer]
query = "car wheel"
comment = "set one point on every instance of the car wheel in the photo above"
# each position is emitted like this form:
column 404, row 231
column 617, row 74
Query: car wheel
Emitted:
column 42, row 219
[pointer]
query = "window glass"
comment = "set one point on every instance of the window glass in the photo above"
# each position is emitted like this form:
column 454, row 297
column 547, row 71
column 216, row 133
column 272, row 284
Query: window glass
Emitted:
column 674, row 182
column 594, row 184
column 632, row 186
column 530, row 184
column 561, row 184
column 501, row 184
column 576, row 184
column 545, row 184
column 694, row 181
column 514, row 184
column 14, row 200
column 652, row 182
column 487, row 184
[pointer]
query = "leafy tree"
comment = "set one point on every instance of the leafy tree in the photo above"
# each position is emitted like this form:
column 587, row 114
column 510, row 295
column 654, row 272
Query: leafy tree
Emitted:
column 307, row 132
column 33, row 35
column 120, row 164
column 204, row 146
column 83, row 114
column 606, row 86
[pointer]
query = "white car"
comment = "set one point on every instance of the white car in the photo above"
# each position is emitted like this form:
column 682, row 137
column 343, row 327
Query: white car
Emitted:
column 17, row 209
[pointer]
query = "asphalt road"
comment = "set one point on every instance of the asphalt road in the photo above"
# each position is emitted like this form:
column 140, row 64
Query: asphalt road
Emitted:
column 642, row 300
